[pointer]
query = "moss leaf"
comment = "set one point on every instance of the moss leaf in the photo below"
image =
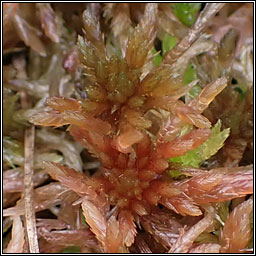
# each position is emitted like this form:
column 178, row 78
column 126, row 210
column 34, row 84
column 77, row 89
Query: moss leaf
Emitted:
column 13, row 152
column 168, row 43
column 187, row 12
column 209, row 148
column 71, row 249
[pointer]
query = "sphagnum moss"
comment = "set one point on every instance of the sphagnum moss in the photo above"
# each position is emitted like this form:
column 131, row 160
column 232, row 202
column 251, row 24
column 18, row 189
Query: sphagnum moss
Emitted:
column 139, row 121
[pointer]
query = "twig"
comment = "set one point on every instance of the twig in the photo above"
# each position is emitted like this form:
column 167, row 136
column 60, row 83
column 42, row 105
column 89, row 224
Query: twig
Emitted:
column 204, row 17
column 28, row 190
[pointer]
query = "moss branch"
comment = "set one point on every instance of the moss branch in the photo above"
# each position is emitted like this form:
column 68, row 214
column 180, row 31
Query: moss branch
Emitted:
column 186, row 239
column 205, row 16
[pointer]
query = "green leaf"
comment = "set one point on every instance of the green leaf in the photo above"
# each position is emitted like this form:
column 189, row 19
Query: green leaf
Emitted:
column 223, row 210
column 176, row 174
column 242, row 90
column 250, row 244
column 168, row 43
column 206, row 238
column 13, row 152
column 83, row 219
column 187, row 12
column 195, row 91
column 9, row 109
column 158, row 58
column 216, row 232
column 251, row 220
column 69, row 30
column 186, row 129
column 47, row 157
column 22, row 116
column 71, row 249
column 189, row 76
column 210, row 147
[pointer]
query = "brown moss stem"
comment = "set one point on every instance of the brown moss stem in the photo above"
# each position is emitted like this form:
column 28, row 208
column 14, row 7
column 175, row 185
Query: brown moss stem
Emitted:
column 28, row 190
